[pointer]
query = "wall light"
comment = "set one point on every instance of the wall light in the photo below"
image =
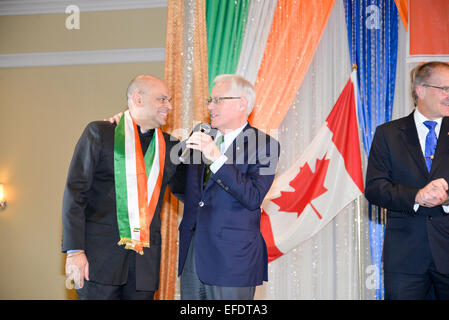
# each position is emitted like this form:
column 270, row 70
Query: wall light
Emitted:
column 2, row 197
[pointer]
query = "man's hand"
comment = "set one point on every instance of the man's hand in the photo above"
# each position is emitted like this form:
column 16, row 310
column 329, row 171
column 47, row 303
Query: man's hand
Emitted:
column 204, row 143
column 433, row 194
column 115, row 119
column 77, row 269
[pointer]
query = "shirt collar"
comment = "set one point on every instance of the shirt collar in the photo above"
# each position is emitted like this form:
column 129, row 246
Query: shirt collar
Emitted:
column 420, row 118
column 231, row 135
column 145, row 133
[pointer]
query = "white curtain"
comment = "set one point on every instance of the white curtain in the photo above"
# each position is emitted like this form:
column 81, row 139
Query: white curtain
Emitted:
column 403, row 103
column 260, row 17
column 326, row 266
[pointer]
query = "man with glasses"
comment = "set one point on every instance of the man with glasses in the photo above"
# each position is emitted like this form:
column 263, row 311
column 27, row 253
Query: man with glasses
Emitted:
column 113, row 198
column 222, row 254
column 408, row 174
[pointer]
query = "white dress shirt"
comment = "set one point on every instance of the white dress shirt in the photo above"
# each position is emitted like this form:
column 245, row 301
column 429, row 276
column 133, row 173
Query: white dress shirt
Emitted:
column 228, row 140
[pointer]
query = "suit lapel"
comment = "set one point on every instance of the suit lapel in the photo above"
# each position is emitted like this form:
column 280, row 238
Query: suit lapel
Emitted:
column 442, row 149
column 202, row 167
column 233, row 152
column 410, row 137
column 236, row 149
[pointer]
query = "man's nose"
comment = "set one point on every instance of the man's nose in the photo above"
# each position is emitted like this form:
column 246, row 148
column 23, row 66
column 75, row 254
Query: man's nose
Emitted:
column 169, row 105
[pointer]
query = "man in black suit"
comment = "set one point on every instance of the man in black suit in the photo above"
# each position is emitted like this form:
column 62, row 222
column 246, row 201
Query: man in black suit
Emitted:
column 408, row 171
column 109, row 202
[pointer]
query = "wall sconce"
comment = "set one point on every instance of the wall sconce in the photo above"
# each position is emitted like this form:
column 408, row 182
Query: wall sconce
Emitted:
column 2, row 197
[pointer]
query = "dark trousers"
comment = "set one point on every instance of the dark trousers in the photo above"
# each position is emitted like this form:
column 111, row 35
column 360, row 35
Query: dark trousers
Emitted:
column 430, row 285
column 192, row 288
column 96, row 291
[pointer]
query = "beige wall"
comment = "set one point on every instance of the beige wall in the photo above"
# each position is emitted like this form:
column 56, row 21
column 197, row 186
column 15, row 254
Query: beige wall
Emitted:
column 43, row 111
column 144, row 28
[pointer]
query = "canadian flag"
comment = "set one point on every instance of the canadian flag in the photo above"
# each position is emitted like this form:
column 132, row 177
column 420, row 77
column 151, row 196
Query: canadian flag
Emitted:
column 325, row 179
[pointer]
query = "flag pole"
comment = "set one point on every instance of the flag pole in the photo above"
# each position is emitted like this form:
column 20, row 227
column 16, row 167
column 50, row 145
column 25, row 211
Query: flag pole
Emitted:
column 359, row 244
column 359, row 205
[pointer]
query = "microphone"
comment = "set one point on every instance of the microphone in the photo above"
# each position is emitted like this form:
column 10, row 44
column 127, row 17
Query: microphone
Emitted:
column 203, row 127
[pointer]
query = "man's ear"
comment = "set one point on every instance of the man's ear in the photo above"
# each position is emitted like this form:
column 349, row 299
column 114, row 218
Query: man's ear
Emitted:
column 420, row 91
column 136, row 97
column 243, row 103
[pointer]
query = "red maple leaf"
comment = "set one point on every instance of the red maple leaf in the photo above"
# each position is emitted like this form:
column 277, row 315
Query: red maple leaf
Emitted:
column 308, row 185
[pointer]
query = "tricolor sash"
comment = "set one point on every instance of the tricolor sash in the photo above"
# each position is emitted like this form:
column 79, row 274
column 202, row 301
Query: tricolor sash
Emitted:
column 138, row 181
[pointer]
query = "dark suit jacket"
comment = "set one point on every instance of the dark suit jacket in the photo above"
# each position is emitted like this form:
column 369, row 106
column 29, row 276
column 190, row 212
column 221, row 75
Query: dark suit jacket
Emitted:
column 396, row 171
column 89, row 216
column 225, row 216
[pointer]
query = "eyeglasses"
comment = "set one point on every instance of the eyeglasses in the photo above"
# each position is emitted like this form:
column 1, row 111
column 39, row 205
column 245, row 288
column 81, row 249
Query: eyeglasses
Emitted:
column 219, row 100
column 445, row 89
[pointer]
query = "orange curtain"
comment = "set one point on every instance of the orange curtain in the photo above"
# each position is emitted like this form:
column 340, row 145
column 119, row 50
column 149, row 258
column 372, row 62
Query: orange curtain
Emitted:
column 290, row 47
column 173, row 61
column 186, row 114
column 169, row 212
column 200, row 64
column 402, row 6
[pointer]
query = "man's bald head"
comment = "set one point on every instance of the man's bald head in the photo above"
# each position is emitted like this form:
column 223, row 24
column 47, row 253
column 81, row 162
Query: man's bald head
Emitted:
column 148, row 101
column 141, row 83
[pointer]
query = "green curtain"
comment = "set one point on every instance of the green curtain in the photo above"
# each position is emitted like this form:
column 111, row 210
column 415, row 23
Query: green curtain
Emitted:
column 225, row 22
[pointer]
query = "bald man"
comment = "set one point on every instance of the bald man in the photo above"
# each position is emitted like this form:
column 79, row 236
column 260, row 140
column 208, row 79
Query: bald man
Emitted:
column 113, row 198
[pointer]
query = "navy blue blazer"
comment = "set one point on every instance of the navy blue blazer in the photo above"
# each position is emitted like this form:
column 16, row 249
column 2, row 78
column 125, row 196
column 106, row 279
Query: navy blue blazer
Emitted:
column 395, row 173
column 225, row 215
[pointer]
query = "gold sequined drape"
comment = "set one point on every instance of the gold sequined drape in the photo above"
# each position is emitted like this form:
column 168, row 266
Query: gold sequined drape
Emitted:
column 186, row 77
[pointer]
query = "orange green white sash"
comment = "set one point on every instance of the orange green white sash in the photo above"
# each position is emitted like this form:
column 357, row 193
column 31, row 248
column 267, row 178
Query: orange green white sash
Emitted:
column 138, row 181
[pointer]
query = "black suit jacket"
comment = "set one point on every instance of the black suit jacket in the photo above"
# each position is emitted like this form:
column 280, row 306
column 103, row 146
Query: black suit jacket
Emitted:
column 396, row 171
column 89, row 217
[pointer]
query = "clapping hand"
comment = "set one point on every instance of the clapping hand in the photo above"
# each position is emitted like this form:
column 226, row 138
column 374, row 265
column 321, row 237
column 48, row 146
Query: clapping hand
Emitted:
column 433, row 194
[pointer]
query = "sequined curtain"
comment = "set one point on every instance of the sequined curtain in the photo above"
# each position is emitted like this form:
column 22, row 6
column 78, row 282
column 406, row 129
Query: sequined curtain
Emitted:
column 403, row 103
column 335, row 263
column 186, row 77
column 260, row 17
column 226, row 21
column 373, row 39
column 290, row 47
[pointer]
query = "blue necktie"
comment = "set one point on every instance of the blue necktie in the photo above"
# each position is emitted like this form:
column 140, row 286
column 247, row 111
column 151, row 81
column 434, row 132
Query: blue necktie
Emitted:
column 431, row 143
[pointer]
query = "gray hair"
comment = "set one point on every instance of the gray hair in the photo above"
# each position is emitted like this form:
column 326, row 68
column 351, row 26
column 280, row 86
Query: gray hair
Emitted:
column 422, row 74
column 239, row 86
